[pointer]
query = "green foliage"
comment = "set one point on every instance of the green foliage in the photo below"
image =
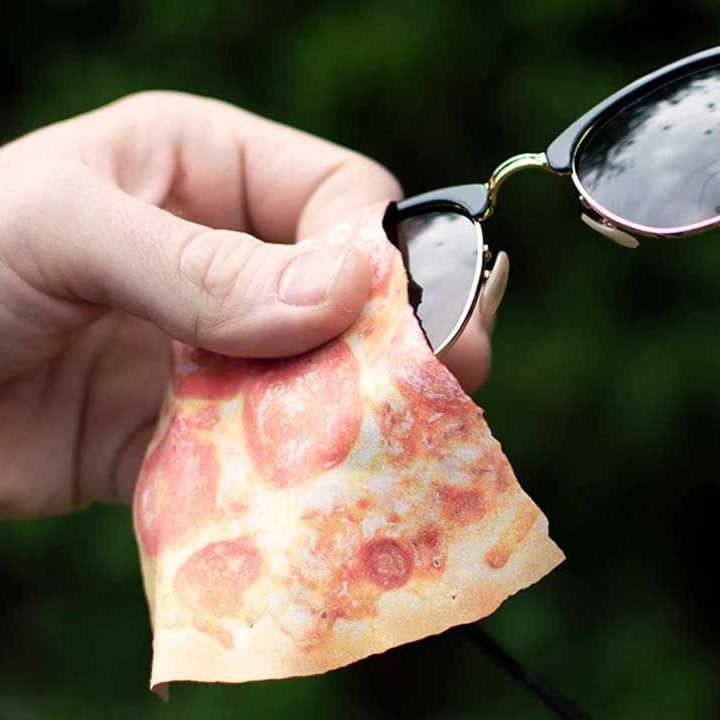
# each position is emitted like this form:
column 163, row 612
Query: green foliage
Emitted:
column 604, row 388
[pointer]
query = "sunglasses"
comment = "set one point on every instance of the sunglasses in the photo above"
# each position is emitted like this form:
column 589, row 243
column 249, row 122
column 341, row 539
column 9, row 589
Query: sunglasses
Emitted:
column 645, row 161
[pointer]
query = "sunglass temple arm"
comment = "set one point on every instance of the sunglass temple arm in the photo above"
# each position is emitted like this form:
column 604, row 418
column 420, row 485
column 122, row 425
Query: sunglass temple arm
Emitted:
column 526, row 161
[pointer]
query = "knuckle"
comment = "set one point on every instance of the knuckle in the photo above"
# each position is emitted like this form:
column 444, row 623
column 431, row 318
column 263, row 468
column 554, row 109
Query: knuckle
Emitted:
column 221, row 267
column 384, row 178
column 146, row 98
column 156, row 102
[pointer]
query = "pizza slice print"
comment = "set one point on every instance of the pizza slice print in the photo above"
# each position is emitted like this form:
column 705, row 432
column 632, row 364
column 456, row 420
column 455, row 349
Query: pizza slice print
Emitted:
column 297, row 515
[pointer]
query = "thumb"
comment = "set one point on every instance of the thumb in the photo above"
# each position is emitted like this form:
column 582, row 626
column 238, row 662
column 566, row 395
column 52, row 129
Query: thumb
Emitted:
column 222, row 290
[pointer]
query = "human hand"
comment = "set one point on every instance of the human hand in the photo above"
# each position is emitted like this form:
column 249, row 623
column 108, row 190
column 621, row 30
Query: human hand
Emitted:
column 108, row 248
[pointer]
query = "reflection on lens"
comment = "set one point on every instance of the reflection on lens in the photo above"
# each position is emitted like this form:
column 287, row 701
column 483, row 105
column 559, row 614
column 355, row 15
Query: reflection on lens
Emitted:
column 657, row 162
column 441, row 253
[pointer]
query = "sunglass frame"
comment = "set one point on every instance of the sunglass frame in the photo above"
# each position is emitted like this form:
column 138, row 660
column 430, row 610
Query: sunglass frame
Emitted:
column 477, row 201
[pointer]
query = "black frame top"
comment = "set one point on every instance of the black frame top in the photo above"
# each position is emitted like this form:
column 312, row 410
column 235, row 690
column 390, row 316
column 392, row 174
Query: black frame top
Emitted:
column 560, row 151
column 471, row 200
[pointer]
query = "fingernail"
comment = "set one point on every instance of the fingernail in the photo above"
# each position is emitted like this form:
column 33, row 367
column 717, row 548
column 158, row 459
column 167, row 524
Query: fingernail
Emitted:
column 309, row 278
column 494, row 290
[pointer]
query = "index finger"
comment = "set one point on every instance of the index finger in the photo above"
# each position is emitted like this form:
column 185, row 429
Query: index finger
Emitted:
column 227, row 167
column 298, row 184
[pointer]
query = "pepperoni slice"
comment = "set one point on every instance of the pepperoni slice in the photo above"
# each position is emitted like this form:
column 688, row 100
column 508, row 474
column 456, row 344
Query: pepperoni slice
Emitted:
column 177, row 487
column 302, row 415
column 206, row 375
column 386, row 563
column 462, row 505
column 214, row 579
column 433, row 413
column 429, row 551
column 421, row 376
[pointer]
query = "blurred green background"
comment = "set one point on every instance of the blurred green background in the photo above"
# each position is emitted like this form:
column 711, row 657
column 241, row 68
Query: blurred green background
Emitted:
column 604, row 391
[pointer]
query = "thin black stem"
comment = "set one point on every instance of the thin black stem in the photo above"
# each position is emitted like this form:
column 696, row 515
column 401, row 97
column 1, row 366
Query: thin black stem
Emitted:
column 556, row 701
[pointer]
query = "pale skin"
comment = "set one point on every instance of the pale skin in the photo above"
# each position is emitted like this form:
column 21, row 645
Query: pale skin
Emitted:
column 161, row 216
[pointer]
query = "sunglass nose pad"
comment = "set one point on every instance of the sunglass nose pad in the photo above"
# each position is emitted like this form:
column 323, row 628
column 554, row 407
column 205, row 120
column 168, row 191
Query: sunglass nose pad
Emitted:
column 610, row 231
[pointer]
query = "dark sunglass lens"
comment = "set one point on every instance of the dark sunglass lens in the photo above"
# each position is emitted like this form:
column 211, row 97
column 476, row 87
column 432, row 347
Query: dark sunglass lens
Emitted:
column 440, row 250
column 657, row 162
